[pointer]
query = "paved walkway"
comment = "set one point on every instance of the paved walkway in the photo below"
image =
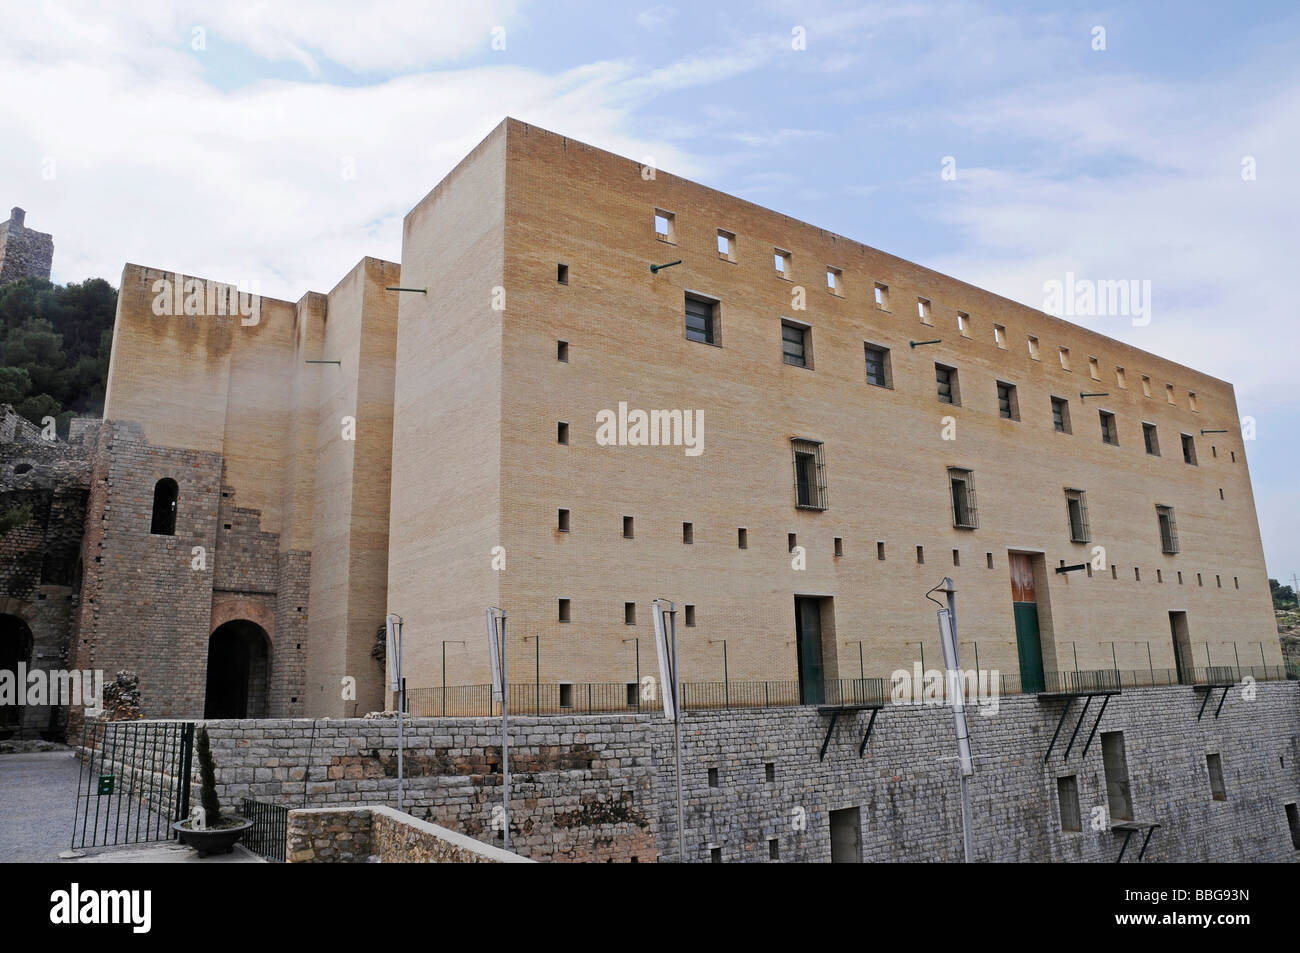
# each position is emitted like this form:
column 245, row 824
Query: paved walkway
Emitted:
column 38, row 794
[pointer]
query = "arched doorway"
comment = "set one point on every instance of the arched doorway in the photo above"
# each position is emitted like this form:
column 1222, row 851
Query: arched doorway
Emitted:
column 15, row 648
column 239, row 668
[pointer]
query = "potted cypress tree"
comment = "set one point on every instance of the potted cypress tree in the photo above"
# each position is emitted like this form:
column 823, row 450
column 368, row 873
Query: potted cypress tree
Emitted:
column 211, row 832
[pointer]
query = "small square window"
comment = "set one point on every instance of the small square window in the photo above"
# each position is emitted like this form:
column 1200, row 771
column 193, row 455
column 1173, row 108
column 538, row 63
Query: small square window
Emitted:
column 796, row 343
column 769, row 771
column 1000, row 336
column 726, row 245
column 665, row 226
column 713, row 777
column 1033, row 348
column 562, row 351
column 633, row 695
column 562, row 273
column 566, row 694
column 629, row 613
column 563, row 521
column 881, row 293
column 1120, row 379
column 690, row 615
column 688, row 533
column 878, row 371
column 564, row 615
column 923, row 310
column 834, row 280
column 628, row 526
column 1065, row 358
column 782, row 262
column 963, row 324
column 742, row 538
column 562, row 432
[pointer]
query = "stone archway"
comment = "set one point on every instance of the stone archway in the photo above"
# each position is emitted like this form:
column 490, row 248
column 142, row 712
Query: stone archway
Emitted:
column 15, row 648
column 239, row 671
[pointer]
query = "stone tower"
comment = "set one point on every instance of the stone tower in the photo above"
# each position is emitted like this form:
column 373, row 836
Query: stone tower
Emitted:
column 24, row 252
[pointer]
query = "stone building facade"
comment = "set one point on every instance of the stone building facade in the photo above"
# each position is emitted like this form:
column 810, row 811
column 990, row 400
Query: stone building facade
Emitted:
column 426, row 439
column 24, row 252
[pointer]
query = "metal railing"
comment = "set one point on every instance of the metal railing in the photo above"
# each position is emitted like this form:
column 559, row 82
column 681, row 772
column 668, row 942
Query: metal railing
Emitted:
column 474, row 701
column 270, row 831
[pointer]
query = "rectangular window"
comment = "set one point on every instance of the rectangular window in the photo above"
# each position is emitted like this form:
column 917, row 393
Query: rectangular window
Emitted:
column 563, row 522
column 963, row 324
column 562, row 351
column 1065, row 358
column 562, row 273
column 1215, row 766
column 880, row 550
column 961, row 484
column 1000, row 336
column 1120, row 379
column 781, row 259
column 1168, row 529
column 633, row 695
column 1094, row 369
column 629, row 613
column 562, row 432
column 809, row 475
column 839, row 546
column 946, row 378
column 1076, row 506
column 688, row 533
column 1189, row 449
column 920, row 555
column 1146, row 386
column 566, row 694
column 1008, row 405
column 878, row 366
column 628, row 527
column 742, row 538
column 773, row 849
column 1293, row 822
column 791, row 541
column 1151, row 438
column 1061, row 414
column 923, row 310
column 1108, row 432
column 564, row 610
column 726, row 244
column 701, row 319
column 834, row 280
column 882, row 296
column 1191, row 402
column 1067, row 795
column 1169, row 394
column 1033, row 348
column 956, row 557
column 665, row 226
column 796, row 343
column 1115, row 767
column 690, row 614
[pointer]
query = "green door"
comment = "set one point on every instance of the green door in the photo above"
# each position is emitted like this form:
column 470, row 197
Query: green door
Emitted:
column 808, row 641
column 1031, row 649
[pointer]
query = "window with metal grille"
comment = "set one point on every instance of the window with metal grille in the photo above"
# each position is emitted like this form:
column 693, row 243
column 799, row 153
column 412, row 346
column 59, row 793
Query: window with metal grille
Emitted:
column 1151, row 438
column 1108, row 432
column 809, row 475
column 878, row 366
column 946, row 378
column 1008, row 406
column 1189, row 449
column 701, row 319
column 961, row 484
column 1168, row 529
column 795, row 343
column 1061, row 414
column 1076, row 505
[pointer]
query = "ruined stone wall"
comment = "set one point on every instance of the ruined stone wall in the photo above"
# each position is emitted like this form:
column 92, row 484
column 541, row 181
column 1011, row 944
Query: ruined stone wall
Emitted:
column 381, row 835
column 24, row 252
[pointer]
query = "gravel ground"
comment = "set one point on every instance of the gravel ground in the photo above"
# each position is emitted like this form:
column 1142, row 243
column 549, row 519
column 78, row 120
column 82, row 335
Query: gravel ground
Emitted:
column 37, row 799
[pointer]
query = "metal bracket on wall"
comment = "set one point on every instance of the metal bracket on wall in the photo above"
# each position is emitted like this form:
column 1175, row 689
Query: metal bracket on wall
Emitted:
column 1129, row 827
column 1209, row 690
column 1069, row 701
column 834, row 711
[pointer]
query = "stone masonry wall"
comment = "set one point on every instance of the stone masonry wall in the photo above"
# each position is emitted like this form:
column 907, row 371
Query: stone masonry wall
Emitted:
column 381, row 835
column 602, row 787
column 24, row 252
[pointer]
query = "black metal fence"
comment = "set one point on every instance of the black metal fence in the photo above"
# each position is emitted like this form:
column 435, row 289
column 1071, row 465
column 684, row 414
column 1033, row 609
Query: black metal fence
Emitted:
column 474, row 701
column 133, row 783
column 270, row 828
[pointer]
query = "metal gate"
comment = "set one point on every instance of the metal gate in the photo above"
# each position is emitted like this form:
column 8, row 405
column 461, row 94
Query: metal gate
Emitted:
column 134, row 782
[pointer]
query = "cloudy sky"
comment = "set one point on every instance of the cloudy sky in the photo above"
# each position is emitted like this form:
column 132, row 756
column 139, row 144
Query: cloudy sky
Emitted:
column 280, row 142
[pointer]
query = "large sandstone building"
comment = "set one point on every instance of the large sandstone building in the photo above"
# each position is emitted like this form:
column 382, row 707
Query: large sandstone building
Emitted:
column 844, row 428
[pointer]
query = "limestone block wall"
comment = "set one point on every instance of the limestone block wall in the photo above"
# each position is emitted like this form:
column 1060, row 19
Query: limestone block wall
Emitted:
column 24, row 252
column 381, row 835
